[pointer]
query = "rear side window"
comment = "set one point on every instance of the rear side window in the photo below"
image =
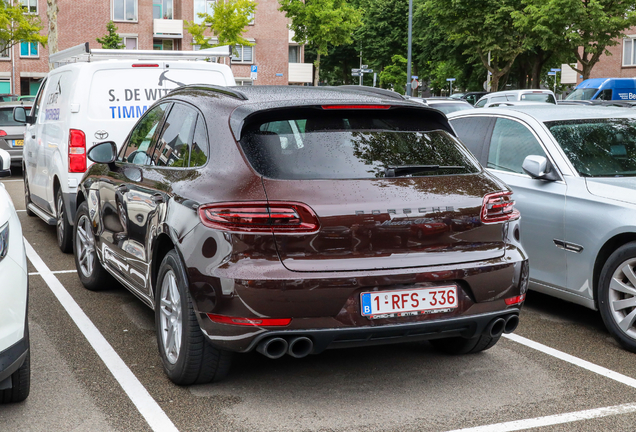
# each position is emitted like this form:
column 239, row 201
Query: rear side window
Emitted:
column 348, row 144
column 473, row 132
column 538, row 97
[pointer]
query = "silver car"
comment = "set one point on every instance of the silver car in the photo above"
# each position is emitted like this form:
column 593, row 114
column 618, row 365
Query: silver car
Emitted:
column 12, row 132
column 573, row 172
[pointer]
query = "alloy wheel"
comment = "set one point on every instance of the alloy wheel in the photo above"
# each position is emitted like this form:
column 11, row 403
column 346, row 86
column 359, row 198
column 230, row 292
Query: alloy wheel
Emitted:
column 60, row 218
column 622, row 297
column 170, row 316
column 85, row 246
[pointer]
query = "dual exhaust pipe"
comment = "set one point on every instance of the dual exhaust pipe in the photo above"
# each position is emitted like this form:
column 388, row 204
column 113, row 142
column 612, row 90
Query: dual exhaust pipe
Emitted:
column 498, row 326
column 276, row 347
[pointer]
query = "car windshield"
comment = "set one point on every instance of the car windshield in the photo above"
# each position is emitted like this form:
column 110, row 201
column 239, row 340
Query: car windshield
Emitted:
column 448, row 108
column 538, row 97
column 598, row 147
column 582, row 94
column 353, row 146
column 6, row 118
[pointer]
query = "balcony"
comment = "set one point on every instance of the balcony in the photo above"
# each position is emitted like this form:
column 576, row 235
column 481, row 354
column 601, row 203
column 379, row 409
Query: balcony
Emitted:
column 300, row 72
column 168, row 29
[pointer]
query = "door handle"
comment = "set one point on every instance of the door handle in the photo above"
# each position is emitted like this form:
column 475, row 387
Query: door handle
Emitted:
column 157, row 198
column 122, row 188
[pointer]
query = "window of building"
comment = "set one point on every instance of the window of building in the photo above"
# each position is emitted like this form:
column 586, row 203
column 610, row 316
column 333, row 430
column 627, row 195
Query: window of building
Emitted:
column 28, row 49
column 294, row 54
column 244, row 82
column 243, row 54
column 30, row 6
column 124, row 10
column 130, row 42
column 203, row 6
column 163, row 44
column 5, row 54
column 628, row 51
column 162, row 9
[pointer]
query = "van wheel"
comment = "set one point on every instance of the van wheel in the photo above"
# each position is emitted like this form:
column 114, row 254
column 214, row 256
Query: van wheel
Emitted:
column 90, row 271
column 187, row 356
column 617, row 295
column 27, row 194
column 63, row 227
column 460, row 345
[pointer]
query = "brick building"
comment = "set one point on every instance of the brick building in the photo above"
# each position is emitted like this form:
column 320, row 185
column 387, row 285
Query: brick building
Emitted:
column 622, row 62
column 158, row 25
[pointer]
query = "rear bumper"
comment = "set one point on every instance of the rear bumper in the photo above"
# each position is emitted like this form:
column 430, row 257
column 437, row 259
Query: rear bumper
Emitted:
column 334, row 338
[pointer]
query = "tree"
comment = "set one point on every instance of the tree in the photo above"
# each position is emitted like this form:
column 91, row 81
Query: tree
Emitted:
column 384, row 32
column 394, row 75
column 583, row 27
column 112, row 40
column 17, row 26
column 321, row 23
column 227, row 23
column 481, row 27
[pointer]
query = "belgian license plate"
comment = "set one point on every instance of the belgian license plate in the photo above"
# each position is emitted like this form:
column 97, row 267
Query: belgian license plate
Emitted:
column 417, row 301
column 18, row 143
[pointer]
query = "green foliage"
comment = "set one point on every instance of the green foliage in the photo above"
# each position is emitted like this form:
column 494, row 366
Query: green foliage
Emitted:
column 394, row 75
column 227, row 23
column 440, row 72
column 112, row 40
column 16, row 26
column 570, row 24
column 384, row 32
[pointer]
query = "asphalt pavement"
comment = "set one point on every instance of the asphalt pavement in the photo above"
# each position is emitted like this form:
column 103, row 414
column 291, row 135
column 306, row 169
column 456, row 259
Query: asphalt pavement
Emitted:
column 95, row 367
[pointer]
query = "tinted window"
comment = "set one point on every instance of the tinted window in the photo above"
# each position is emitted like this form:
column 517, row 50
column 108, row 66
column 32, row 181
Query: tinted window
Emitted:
column 510, row 143
column 605, row 95
column 173, row 146
column 6, row 118
column 352, row 145
column 473, row 132
column 598, row 147
column 538, row 97
column 138, row 148
column 199, row 154
column 38, row 103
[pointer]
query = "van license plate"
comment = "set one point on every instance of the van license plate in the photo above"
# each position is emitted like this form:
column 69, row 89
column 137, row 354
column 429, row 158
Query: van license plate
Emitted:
column 18, row 143
column 399, row 303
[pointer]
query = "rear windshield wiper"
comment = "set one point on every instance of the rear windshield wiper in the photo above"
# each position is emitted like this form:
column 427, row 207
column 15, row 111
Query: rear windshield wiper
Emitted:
column 402, row 170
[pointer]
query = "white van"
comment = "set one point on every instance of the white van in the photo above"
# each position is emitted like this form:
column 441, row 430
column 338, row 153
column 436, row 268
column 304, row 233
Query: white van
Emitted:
column 97, row 96
column 526, row 95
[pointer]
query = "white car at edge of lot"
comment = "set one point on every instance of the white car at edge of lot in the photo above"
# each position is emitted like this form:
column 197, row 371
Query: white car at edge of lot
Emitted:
column 15, row 367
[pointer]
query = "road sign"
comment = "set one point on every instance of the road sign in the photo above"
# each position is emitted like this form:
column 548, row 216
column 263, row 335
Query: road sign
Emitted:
column 552, row 73
column 555, row 70
column 367, row 71
column 450, row 79
column 415, row 84
column 358, row 74
column 414, row 77
column 253, row 72
column 355, row 70
column 364, row 66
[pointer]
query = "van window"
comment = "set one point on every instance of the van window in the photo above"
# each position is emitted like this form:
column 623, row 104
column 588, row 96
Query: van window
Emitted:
column 38, row 100
column 605, row 95
column 582, row 94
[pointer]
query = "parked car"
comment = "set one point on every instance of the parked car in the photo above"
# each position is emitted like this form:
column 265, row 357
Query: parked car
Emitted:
column 572, row 169
column 470, row 97
column 445, row 105
column 27, row 98
column 8, row 97
column 12, row 132
column 96, row 96
column 284, row 220
column 15, row 366
column 527, row 95
column 604, row 89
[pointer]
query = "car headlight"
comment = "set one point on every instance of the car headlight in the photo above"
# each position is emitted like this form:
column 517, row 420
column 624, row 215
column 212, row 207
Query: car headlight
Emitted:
column 4, row 240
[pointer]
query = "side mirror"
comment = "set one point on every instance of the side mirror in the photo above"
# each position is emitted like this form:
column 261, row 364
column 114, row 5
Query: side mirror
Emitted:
column 19, row 114
column 5, row 163
column 104, row 153
column 538, row 167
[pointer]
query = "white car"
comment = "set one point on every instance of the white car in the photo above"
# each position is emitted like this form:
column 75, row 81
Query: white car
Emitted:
column 15, row 369
column 525, row 95
column 91, row 96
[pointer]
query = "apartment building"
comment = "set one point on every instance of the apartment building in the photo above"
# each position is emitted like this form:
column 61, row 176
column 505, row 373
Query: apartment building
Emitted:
column 156, row 25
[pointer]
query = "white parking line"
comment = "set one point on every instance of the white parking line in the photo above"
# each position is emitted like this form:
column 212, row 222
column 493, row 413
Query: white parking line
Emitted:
column 54, row 272
column 147, row 406
column 553, row 419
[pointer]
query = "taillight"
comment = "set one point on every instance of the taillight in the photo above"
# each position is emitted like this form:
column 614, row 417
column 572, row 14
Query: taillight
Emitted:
column 76, row 151
column 330, row 107
column 498, row 207
column 145, row 65
column 2, row 133
column 271, row 322
column 260, row 217
column 515, row 300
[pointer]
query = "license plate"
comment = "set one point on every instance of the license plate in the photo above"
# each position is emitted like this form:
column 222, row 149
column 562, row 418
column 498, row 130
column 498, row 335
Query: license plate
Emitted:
column 18, row 143
column 399, row 303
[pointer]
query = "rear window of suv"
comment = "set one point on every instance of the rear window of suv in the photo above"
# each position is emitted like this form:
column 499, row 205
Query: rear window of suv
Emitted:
column 346, row 144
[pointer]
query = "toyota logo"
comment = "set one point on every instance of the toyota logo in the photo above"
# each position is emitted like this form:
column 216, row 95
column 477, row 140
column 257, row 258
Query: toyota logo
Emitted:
column 101, row 134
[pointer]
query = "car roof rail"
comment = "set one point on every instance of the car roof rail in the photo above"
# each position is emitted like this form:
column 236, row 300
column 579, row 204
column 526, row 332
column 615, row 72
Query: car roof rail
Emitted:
column 375, row 91
column 83, row 53
column 215, row 88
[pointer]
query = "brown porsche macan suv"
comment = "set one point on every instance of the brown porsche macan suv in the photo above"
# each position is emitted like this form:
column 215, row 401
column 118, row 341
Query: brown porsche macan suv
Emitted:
column 290, row 220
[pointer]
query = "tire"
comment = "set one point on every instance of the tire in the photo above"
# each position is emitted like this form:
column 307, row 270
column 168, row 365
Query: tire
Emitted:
column 21, row 383
column 90, row 271
column 460, row 345
column 617, row 295
column 187, row 356
column 27, row 194
column 63, row 227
